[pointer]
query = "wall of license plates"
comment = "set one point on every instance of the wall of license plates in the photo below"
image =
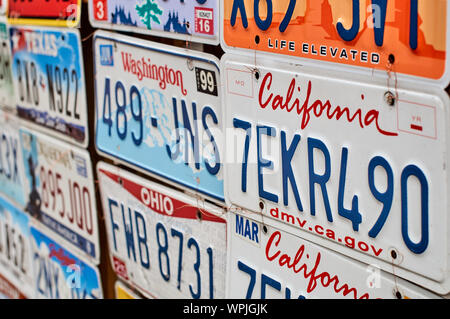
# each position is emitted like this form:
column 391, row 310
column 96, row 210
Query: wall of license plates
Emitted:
column 224, row 149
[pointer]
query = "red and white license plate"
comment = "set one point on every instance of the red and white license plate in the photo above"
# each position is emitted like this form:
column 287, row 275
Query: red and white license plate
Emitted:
column 357, row 165
column 266, row 262
column 163, row 242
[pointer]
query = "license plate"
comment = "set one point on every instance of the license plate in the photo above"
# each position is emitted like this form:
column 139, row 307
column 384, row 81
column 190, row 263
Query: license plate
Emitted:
column 6, row 83
column 59, row 274
column 60, row 191
column 392, row 36
column 158, row 109
column 193, row 20
column 48, row 76
column 355, row 165
column 15, row 250
column 269, row 263
column 11, row 162
column 163, row 242
column 45, row 12
column 123, row 292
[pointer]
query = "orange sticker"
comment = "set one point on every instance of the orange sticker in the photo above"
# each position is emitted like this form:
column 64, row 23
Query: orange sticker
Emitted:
column 403, row 36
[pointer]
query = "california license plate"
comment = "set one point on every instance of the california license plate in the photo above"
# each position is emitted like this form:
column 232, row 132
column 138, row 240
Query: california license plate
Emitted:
column 60, row 191
column 6, row 83
column 358, row 166
column 163, row 242
column 269, row 263
column 59, row 274
column 193, row 20
column 159, row 109
column 48, row 76
column 16, row 259
column 11, row 162
column 393, row 36
column 61, row 13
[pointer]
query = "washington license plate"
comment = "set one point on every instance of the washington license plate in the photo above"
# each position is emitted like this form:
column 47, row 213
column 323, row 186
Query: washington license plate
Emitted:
column 394, row 36
column 60, row 190
column 48, row 76
column 59, row 274
column 61, row 13
column 267, row 263
column 193, row 20
column 15, row 251
column 159, row 109
column 11, row 162
column 6, row 83
column 163, row 242
column 359, row 166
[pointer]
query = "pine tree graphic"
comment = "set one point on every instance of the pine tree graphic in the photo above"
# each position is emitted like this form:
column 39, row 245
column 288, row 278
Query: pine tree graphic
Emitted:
column 149, row 11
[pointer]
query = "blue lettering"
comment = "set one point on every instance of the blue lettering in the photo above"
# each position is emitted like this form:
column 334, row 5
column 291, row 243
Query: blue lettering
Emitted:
column 128, row 232
column 213, row 170
column 112, row 202
column 142, row 239
column 349, row 35
column 239, row 5
column 288, row 175
column 264, row 163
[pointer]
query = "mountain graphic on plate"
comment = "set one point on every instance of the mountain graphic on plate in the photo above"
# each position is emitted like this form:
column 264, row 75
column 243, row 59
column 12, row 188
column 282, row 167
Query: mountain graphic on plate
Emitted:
column 173, row 23
column 119, row 16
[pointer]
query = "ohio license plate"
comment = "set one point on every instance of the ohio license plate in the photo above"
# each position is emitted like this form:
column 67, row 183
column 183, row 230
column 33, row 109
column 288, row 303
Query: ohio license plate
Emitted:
column 59, row 274
column 11, row 162
column 266, row 262
column 60, row 190
column 48, row 76
column 15, row 250
column 45, row 12
column 163, row 242
column 392, row 36
column 6, row 84
column 193, row 20
column 159, row 109
column 359, row 166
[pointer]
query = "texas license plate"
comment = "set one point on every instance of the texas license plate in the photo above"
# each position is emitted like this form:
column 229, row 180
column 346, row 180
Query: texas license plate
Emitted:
column 60, row 191
column 6, row 84
column 357, row 166
column 61, row 13
column 59, row 274
column 159, row 109
column 15, row 251
column 193, row 20
column 393, row 36
column 11, row 162
column 163, row 242
column 266, row 262
column 48, row 76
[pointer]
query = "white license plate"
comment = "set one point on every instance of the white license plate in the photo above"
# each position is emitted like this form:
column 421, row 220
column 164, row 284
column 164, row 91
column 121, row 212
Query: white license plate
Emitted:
column 329, row 156
column 193, row 20
column 15, row 251
column 59, row 274
column 60, row 193
column 6, row 83
column 266, row 262
column 158, row 108
column 163, row 242
column 48, row 76
column 11, row 162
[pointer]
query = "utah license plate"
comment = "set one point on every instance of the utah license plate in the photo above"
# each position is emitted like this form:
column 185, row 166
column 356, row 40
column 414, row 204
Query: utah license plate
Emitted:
column 159, row 109
column 60, row 191
column 268, row 263
column 16, row 257
column 48, row 75
column 394, row 36
column 61, row 13
column 359, row 166
column 59, row 274
column 11, row 162
column 163, row 242
column 193, row 20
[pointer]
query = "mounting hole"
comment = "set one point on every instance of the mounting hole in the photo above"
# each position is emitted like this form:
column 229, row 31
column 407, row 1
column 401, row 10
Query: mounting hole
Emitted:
column 257, row 39
column 257, row 75
column 120, row 181
column 391, row 58
column 398, row 294
column 265, row 229
column 393, row 254
column 389, row 98
column 199, row 215
column 261, row 205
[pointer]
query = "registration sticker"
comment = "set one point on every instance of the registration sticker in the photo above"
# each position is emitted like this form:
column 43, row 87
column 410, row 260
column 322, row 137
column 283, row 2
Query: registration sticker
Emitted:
column 48, row 75
column 163, row 242
column 352, row 164
column 60, row 192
